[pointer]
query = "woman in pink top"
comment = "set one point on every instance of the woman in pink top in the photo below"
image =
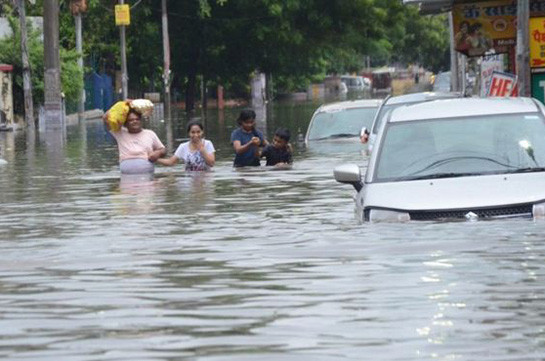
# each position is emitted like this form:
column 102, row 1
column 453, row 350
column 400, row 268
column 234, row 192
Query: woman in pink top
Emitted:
column 138, row 148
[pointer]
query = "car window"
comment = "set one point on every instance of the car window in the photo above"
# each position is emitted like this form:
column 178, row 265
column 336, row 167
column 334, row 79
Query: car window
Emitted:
column 475, row 145
column 383, row 114
column 344, row 122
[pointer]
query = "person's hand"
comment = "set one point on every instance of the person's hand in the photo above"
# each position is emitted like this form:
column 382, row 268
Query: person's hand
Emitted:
column 153, row 156
column 364, row 138
column 255, row 141
column 290, row 148
column 200, row 147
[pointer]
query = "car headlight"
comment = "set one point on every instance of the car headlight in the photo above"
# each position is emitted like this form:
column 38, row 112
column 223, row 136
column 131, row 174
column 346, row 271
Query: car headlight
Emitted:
column 538, row 210
column 381, row 215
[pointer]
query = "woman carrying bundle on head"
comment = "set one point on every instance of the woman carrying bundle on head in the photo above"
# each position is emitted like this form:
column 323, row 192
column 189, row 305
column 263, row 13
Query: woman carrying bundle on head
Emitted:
column 138, row 148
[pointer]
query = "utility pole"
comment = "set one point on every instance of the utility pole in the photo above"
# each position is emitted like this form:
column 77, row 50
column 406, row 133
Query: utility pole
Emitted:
column 124, row 76
column 76, row 8
column 454, row 77
column 27, row 84
column 166, row 59
column 54, row 114
column 523, row 56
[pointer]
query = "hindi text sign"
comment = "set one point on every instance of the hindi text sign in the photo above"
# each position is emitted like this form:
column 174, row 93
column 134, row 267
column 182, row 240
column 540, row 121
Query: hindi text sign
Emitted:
column 122, row 15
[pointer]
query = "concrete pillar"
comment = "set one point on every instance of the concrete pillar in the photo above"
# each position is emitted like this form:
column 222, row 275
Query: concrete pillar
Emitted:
column 53, row 110
column 523, row 48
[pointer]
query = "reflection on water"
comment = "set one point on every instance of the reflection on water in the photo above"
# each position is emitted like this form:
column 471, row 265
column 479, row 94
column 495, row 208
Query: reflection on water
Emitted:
column 245, row 264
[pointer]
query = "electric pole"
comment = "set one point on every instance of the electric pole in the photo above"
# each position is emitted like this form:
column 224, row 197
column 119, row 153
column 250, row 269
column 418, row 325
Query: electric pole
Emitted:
column 523, row 56
column 166, row 58
column 27, row 84
column 124, row 76
column 76, row 8
column 52, row 74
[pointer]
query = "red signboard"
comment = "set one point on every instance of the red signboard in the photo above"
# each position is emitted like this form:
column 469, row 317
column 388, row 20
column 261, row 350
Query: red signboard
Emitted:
column 502, row 85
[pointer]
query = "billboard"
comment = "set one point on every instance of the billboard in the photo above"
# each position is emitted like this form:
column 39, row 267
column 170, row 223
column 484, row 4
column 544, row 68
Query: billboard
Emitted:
column 480, row 27
column 537, row 42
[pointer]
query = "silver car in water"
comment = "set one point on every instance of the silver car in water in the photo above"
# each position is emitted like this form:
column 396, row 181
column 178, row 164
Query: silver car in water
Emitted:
column 466, row 158
column 336, row 126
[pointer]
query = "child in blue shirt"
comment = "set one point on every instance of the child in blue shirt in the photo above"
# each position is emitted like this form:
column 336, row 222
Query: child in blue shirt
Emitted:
column 246, row 140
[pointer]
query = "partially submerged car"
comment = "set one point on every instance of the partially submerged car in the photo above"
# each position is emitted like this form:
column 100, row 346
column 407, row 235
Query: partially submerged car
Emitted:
column 466, row 158
column 391, row 103
column 341, row 121
column 356, row 82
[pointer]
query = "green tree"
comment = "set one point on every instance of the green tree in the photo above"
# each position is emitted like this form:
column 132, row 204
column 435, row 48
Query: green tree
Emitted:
column 71, row 76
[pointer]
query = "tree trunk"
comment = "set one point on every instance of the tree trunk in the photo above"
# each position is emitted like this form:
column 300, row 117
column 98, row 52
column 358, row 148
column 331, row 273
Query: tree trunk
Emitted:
column 190, row 92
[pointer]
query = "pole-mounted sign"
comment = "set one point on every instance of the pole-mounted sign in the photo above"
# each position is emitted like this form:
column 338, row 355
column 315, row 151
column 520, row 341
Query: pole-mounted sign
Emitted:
column 122, row 15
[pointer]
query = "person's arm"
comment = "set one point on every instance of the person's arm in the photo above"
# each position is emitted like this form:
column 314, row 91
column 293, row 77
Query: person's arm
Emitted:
column 168, row 161
column 156, row 154
column 209, row 157
column 105, row 121
column 239, row 148
column 290, row 155
column 159, row 149
column 264, row 152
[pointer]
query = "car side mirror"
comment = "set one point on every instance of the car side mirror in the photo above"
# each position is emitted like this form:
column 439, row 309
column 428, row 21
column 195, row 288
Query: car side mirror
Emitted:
column 350, row 174
column 364, row 135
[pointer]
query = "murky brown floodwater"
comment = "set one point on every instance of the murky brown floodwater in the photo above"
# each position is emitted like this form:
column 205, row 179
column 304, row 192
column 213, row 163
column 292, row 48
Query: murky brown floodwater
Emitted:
column 245, row 265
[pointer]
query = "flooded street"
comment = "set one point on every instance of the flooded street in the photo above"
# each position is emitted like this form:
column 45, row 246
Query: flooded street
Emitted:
column 245, row 264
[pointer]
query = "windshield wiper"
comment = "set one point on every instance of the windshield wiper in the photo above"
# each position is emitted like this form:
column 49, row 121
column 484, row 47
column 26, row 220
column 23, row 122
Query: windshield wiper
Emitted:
column 341, row 135
column 527, row 170
column 438, row 175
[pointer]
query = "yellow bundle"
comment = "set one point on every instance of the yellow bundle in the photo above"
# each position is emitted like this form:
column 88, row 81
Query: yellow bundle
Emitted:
column 117, row 115
column 142, row 106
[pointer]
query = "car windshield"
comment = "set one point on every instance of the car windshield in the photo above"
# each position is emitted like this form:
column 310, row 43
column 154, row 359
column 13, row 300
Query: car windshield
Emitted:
column 456, row 147
column 341, row 123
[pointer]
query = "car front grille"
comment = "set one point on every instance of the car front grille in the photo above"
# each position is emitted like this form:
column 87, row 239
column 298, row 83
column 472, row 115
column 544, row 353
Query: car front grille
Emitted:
column 497, row 212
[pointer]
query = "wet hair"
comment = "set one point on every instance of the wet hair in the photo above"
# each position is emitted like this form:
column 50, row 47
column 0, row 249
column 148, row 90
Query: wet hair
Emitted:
column 193, row 122
column 245, row 115
column 134, row 111
column 283, row 133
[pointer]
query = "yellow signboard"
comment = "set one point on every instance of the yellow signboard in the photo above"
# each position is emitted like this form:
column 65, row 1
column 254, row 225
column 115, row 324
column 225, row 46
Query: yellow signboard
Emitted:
column 122, row 15
column 482, row 26
column 537, row 42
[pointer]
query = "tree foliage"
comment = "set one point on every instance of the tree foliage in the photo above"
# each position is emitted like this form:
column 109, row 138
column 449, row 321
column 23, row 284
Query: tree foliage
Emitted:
column 224, row 41
column 10, row 53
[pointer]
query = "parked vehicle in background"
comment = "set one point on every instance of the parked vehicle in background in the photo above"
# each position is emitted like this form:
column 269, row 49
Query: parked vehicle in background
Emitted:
column 382, row 80
column 466, row 158
column 339, row 122
column 442, row 82
column 355, row 82
column 391, row 103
